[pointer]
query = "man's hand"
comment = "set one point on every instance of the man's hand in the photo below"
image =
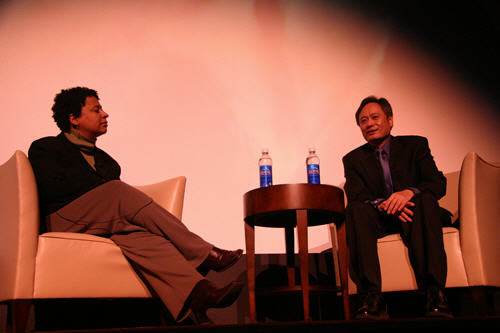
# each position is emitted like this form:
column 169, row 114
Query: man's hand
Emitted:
column 399, row 204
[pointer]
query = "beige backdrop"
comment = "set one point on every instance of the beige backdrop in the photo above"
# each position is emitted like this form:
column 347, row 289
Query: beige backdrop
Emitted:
column 197, row 88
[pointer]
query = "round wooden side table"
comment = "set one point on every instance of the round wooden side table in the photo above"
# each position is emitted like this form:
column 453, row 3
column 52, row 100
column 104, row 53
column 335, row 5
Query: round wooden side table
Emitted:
column 295, row 205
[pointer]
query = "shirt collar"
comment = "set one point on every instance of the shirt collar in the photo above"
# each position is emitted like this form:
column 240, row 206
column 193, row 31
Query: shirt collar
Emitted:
column 386, row 147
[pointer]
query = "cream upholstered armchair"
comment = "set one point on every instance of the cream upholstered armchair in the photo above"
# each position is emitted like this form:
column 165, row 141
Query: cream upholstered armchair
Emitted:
column 56, row 264
column 473, row 249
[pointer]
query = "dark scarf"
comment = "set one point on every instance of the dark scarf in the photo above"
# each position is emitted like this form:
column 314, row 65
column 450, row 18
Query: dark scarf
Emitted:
column 86, row 146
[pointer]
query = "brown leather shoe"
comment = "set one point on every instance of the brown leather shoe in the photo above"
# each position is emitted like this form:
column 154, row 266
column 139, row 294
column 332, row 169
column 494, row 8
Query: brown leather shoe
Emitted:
column 219, row 260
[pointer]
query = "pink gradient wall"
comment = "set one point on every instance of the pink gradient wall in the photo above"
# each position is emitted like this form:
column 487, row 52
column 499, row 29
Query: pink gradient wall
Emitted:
column 197, row 88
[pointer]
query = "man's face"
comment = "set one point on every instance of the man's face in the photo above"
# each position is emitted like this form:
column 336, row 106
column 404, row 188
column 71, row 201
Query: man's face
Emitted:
column 92, row 122
column 374, row 124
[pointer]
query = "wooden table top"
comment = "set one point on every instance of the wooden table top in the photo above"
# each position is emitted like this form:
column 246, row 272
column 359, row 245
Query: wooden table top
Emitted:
column 275, row 206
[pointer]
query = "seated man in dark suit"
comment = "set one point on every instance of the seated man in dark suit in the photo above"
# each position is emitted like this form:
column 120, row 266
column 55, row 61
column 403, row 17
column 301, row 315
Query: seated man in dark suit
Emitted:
column 80, row 190
column 393, row 186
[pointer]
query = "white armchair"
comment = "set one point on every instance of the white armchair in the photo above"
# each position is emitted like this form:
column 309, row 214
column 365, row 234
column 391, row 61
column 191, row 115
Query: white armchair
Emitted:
column 58, row 264
column 472, row 250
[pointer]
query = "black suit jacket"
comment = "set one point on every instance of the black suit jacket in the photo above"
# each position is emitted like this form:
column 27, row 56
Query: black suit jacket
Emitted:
column 62, row 173
column 411, row 164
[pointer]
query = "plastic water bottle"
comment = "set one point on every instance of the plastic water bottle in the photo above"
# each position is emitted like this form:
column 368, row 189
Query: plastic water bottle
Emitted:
column 312, row 162
column 265, row 169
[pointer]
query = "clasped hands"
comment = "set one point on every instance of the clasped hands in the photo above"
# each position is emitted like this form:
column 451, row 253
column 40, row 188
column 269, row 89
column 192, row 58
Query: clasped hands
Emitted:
column 399, row 205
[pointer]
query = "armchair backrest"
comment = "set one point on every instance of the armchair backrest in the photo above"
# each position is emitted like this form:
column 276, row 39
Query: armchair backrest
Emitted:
column 169, row 194
column 19, row 227
column 480, row 220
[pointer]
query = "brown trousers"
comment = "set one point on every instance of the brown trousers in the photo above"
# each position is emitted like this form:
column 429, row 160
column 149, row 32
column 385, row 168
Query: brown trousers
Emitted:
column 159, row 246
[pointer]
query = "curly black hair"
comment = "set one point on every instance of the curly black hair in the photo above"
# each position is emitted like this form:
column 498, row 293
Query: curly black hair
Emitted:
column 384, row 104
column 70, row 101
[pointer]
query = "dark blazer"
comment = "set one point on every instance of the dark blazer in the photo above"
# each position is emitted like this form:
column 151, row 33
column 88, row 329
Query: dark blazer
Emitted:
column 411, row 164
column 62, row 173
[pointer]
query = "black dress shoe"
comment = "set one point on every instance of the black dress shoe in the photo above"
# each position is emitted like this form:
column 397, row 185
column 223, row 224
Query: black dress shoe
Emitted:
column 206, row 295
column 437, row 304
column 200, row 317
column 372, row 307
column 220, row 260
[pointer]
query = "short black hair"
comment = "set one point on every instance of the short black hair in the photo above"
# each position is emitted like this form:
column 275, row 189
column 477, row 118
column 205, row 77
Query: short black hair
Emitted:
column 384, row 104
column 70, row 101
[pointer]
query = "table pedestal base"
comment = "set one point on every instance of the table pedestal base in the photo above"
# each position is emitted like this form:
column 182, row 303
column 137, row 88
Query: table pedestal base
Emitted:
column 304, row 264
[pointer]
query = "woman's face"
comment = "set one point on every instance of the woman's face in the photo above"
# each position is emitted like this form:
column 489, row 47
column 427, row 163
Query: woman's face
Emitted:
column 92, row 122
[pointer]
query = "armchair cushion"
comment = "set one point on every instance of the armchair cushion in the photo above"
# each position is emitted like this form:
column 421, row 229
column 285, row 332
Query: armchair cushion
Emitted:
column 83, row 266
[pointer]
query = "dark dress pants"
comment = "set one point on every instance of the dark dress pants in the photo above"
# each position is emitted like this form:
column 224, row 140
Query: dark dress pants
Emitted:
column 159, row 246
column 423, row 238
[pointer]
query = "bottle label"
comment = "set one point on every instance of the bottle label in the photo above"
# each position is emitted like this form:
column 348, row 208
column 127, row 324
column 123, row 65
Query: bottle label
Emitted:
column 266, row 175
column 313, row 173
